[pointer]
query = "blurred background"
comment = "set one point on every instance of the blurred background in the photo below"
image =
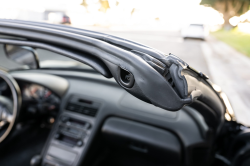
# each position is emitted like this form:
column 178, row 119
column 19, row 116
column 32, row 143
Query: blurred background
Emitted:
column 213, row 36
column 115, row 14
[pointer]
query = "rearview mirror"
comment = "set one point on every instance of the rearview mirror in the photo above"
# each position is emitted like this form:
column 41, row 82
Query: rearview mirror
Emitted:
column 22, row 55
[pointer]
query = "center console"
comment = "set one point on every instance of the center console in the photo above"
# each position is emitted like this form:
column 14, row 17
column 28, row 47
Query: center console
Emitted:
column 71, row 132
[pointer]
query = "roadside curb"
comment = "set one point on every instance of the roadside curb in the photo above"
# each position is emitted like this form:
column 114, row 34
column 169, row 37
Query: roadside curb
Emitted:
column 231, row 71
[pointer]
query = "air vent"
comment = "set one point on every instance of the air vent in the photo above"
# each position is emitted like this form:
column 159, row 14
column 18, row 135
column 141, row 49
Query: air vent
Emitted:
column 126, row 79
column 81, row 109
column 83, row 105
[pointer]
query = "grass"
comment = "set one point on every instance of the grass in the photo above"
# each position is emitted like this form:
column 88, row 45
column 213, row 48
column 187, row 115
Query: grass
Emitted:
column 239, row 40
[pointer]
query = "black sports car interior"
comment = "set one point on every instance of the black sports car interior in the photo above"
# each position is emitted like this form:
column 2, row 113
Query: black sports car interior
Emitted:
column 159, row 112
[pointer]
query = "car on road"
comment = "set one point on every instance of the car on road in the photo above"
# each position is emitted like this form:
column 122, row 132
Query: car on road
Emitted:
column 109, row 101
column 195, row 31
column 66, row 20
column 58, row 18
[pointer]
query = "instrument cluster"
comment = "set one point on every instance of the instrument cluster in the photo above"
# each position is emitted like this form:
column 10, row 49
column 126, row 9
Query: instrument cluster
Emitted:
column 39, row 99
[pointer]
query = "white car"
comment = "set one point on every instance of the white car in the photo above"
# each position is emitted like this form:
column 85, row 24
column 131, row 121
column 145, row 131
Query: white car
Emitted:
column 197, row 31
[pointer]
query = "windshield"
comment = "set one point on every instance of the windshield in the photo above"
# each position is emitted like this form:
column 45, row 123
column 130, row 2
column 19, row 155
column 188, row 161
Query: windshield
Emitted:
column 212, row 36
column 47, row 59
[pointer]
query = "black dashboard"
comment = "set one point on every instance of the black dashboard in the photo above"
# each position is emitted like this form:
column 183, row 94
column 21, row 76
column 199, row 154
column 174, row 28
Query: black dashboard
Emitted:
column 93, row 112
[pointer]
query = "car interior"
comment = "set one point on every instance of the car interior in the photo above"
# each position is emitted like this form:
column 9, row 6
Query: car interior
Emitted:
column 73, row 115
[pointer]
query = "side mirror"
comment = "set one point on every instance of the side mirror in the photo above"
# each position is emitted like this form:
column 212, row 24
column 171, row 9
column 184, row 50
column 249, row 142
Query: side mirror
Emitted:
column 22, row 55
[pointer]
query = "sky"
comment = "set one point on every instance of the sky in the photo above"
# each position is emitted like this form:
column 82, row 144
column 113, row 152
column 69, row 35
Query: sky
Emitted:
column 165, row 14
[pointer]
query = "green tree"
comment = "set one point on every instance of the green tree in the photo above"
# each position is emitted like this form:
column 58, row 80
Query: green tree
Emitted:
column 228, row 8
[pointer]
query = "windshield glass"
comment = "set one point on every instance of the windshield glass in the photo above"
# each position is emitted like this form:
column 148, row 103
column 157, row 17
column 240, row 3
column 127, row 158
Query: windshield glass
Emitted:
column 50, row 59
column 47, row 59
column 212, row 36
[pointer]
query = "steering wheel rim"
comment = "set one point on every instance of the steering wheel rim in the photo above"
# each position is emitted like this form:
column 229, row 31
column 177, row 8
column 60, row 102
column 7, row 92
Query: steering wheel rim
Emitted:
column 16, row 96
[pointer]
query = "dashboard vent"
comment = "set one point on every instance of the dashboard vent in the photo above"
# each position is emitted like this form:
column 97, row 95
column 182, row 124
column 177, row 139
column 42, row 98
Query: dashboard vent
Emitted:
column 82, row 105
column 81, row 109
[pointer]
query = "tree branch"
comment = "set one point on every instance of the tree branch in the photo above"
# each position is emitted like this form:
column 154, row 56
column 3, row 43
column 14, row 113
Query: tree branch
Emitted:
column 230, row 8
column 220, row 6
column 237, row 6
column 245, row 7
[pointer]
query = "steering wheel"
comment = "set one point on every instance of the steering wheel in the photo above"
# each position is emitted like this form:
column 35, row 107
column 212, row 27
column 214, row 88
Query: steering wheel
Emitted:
column 9, row 106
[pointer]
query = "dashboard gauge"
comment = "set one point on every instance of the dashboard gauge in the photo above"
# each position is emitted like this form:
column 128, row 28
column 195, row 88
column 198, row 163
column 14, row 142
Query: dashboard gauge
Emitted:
column 40, row 97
